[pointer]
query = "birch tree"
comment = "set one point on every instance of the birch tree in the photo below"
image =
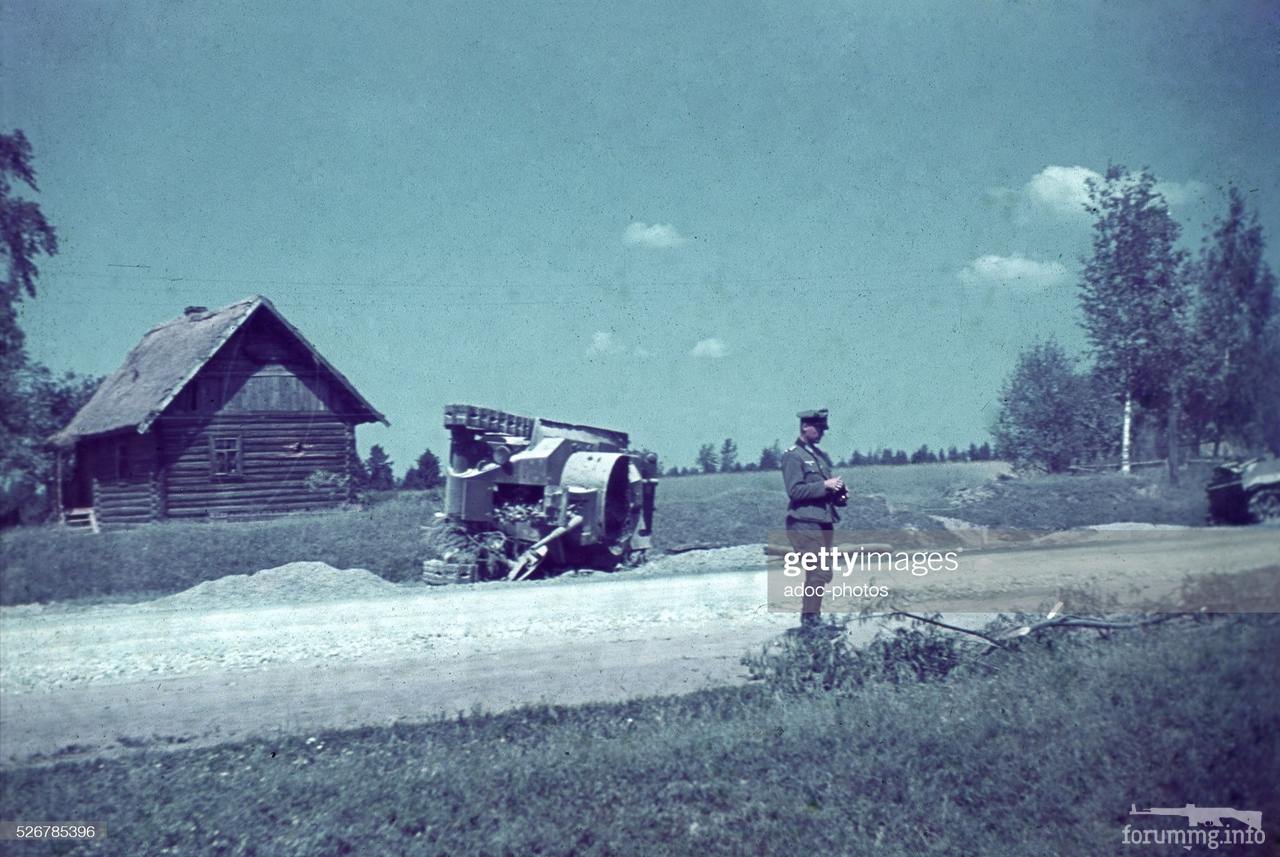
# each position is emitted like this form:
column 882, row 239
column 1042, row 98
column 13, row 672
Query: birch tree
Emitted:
column 1135, row 300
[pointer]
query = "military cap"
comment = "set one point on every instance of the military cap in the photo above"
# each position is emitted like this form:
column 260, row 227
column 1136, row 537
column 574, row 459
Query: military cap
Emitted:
column 818, row 417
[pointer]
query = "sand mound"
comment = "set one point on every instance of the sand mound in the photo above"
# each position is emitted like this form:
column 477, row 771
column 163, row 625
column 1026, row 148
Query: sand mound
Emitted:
column 287, row 584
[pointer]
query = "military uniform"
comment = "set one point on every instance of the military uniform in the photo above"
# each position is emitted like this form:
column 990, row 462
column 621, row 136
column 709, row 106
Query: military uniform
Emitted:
column 811, row 510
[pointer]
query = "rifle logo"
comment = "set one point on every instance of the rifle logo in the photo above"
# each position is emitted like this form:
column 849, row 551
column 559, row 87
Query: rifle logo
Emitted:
column 1204, row 816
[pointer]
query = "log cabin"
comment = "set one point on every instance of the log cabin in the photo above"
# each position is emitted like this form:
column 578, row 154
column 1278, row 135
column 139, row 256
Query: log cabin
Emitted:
column 229, row 413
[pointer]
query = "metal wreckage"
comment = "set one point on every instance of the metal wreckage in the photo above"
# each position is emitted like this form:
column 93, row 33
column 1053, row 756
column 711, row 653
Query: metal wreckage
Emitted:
column 530, row 495
column 1245, row 491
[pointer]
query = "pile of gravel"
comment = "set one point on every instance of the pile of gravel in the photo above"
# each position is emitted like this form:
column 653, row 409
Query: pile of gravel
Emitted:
column 288, row 584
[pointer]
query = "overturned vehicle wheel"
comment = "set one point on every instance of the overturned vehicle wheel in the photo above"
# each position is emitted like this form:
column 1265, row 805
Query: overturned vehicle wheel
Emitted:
column 1264, row 505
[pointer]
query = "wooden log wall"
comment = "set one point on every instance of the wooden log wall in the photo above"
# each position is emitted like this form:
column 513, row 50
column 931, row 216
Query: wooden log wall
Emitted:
column 279, row 453
column 123, row 469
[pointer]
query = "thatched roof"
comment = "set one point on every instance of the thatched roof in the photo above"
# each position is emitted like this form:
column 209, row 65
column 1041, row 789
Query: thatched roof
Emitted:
column 167, row 358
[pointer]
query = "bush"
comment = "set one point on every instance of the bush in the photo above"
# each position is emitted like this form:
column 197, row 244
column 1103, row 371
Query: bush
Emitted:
column 828, row 663
column 1051, row 416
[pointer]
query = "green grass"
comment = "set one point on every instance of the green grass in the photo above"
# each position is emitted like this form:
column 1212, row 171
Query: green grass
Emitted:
column 1044, row 757
column 1060, row 502
column 53, row 563
column 741, row 508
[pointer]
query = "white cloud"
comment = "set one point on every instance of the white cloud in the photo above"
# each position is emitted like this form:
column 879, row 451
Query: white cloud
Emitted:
column 711, row 347
column 652, row 235
column 1062, row 189
column 602, row 342
column 1182, row 193
column 1012, row 270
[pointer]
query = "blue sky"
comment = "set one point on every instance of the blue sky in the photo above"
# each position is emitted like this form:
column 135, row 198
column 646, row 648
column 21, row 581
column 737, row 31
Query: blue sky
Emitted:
column 684, row 220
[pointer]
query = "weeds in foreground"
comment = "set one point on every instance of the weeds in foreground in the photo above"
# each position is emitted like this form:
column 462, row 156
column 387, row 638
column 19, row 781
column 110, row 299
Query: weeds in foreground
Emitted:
column 1044, row 756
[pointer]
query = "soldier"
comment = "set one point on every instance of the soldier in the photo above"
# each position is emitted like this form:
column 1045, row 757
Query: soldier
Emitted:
column 813, row 494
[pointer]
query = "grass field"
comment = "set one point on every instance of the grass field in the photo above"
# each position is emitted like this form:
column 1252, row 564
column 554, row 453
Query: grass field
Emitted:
column 1043, row 757
column 52, row 563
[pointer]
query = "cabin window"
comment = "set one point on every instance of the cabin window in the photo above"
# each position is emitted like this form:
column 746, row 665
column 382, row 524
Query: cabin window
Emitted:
column 122, row 460
column 227, row 461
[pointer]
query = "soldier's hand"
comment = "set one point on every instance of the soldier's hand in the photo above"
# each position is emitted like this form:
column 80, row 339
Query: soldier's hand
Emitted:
column 835, row 483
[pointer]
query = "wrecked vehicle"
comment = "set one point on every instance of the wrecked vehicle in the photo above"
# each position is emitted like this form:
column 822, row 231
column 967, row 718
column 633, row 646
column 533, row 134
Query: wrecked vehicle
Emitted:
column 1245, row 491
column 526, row 495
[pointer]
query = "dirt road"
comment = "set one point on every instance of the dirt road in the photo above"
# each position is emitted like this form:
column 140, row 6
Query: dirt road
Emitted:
column 262, row 656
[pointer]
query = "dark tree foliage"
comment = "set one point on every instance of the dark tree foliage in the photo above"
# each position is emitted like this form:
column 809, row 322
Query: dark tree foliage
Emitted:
column 33, row 402
column 378, row 466
column 26, row 233
column 1268, row 390
column 1051, row 416
column 1236, row 300
column 424, row 474
column 728, row 455
column 708, row 461
column 34, row 405
column 771, row 457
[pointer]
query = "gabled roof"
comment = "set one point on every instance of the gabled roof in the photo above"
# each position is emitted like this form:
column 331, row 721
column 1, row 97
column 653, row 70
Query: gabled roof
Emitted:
column 167, row 358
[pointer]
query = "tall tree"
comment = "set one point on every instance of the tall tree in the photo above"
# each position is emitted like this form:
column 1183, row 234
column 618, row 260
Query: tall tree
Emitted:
column 378, row 466
column 1135, row 300
column 424, row 474
column 707, row 460
column 728, row 455
column 32, row 402
column 24, row 235
column 771, row 457
column 1268, row 398
column 1236, row 293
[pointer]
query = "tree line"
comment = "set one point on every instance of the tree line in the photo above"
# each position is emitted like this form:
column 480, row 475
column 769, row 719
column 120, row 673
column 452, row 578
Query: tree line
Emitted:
column 725, row 459
column 1184, row 348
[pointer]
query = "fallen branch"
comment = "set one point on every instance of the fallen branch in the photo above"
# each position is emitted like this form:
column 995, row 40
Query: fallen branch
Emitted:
column 1082, row 622
column 1000, row 639
column 931, row 621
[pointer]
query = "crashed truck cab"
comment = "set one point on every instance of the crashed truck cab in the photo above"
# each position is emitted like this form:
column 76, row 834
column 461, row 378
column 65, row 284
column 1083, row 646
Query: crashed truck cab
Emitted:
column 531, row 494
